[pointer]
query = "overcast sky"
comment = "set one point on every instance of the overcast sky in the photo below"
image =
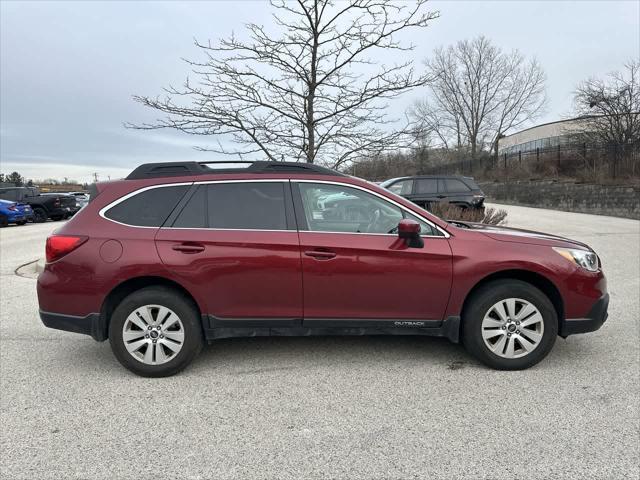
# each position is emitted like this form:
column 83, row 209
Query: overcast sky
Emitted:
column 68, row 69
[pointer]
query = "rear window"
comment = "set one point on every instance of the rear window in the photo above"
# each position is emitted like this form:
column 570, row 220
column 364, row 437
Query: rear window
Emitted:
column 149, row 208
column 240, row 206
column 194, row 213
column 247, row 206
column 427, row 185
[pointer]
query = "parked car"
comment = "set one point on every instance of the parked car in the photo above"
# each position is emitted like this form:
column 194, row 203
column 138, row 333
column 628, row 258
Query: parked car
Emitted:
column 81, row 197
column 68, row 202
column 424, row 190
column 26, row 211
column 10, row 213
column 53, row 206
column 182, row 253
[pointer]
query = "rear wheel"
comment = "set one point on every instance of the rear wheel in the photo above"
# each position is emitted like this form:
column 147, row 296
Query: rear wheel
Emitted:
column 4, row 221
column 509, row 325
column 22, row 222
column 57, row 218
column 39, row 215
column 155, row 332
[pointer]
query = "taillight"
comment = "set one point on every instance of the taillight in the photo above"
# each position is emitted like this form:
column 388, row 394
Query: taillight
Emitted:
column 60, row 245
column 13, row 207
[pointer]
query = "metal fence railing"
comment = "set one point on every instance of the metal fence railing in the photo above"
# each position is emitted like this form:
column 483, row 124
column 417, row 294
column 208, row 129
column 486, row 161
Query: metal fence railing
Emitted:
column 575, row 160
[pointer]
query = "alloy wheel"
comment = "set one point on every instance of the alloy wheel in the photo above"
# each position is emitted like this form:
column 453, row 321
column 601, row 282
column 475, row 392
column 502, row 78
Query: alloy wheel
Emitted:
column 153, row 334
column 512, row 328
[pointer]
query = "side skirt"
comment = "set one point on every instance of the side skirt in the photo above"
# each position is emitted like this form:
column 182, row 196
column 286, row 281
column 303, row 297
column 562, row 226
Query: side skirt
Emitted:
column 215, row 328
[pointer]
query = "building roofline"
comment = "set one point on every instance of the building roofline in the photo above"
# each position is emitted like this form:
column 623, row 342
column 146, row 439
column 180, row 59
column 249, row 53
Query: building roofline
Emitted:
column 583, row 117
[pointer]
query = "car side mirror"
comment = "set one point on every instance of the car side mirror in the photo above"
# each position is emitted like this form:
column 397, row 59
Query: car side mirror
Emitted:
column 409, row 231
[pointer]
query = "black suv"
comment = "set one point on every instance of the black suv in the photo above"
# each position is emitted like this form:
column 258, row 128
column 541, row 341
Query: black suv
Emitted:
column 424, row 190
column 54, row 206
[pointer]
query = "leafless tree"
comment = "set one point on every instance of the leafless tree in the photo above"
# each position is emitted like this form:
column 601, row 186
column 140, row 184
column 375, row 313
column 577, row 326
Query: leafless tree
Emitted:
column 609, row 109
column 304, row 88
column 478, row 93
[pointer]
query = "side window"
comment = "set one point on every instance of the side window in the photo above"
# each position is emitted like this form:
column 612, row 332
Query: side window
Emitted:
column 194, row 213
column 8, row 195
column 453, row 185
column 250, row 205
column 149, row 208
column 336, row 208
column 426, row 185
column 403, row 187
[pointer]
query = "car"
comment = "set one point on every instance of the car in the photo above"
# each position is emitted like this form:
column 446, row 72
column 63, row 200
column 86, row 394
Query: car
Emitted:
column 10, row 213
column 44, row 206
column 178, row 254
column 425, row 190
column 69, row 203
column 26, row 211
column 81, row 197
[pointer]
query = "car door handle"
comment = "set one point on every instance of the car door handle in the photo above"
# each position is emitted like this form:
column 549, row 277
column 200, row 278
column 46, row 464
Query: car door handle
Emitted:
column 188, row 248
column 320, row 254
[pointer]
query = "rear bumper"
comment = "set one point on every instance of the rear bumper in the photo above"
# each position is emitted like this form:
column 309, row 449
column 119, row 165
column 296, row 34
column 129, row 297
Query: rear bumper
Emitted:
column 593, row 321
column 91, row 324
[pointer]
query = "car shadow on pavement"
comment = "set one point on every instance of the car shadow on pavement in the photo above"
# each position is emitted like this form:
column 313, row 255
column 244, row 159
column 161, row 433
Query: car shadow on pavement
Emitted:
column 247, row 354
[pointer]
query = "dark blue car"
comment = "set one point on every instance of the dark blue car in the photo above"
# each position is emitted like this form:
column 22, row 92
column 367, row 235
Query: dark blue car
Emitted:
column 11, row 213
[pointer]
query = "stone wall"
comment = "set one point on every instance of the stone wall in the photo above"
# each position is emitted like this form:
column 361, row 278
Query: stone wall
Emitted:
column 614, row 200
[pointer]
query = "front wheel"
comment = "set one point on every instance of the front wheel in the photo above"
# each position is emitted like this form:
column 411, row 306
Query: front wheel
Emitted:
column 155, row 332
column 509, row 325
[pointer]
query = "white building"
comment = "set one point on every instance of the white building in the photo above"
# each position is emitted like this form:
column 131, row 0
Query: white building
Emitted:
column 542, row 136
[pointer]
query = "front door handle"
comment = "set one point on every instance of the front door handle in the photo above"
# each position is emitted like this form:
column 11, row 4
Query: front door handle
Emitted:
column 188, row 248
column 320, row 254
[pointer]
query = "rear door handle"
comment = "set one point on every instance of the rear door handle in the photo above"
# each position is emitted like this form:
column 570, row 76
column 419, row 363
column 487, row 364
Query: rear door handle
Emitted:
column 320, row 254
column 188, row 248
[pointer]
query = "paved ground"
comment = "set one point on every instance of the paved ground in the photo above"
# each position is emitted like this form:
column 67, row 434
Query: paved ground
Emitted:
column 325, row 407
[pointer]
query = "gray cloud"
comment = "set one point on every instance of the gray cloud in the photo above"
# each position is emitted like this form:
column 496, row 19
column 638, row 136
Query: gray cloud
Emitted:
column 68, row 69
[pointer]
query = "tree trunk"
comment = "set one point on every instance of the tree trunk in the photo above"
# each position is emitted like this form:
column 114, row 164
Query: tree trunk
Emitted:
column 311, row 134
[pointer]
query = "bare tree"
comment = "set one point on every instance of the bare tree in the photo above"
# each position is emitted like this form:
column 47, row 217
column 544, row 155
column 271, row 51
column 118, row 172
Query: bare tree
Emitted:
column 478, row 93
column 306, row 88
column 609, row 109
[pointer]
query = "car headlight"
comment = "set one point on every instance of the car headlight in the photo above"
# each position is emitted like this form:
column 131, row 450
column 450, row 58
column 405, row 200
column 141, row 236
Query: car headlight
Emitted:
column 583, row 258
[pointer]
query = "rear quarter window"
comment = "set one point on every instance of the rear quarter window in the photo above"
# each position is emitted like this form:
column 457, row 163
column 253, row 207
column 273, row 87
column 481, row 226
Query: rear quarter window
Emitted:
column 149, row 208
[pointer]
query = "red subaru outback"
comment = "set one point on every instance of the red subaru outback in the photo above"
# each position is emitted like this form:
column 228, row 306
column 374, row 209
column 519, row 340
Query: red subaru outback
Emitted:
column 182, row 253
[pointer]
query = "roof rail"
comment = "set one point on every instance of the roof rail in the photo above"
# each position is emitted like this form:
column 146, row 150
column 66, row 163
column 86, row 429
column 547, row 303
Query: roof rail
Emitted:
column 180, row 169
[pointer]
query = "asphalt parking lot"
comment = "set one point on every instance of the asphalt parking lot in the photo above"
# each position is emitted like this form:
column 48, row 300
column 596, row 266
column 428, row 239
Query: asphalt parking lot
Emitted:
column 334, row 407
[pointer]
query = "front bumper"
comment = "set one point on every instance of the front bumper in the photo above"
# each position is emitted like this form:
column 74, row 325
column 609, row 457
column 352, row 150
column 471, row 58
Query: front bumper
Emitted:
column 91, row 324
column 594, row 320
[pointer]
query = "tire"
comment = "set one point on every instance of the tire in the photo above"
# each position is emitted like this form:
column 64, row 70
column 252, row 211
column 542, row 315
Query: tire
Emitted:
column 4, row 221
column 57, row 218
column 39, row 215
column 524, row 339
column 21, row 223
column 148, row 302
